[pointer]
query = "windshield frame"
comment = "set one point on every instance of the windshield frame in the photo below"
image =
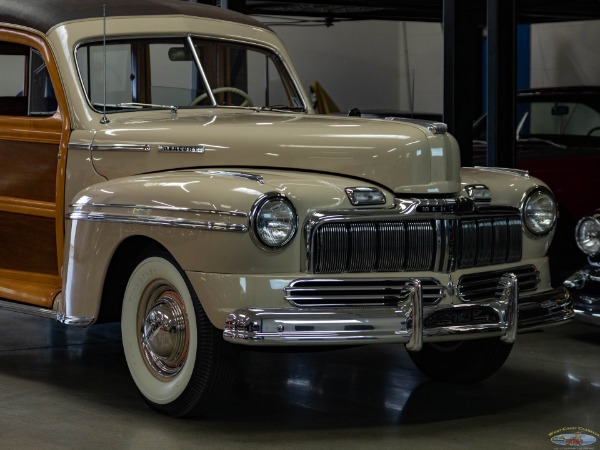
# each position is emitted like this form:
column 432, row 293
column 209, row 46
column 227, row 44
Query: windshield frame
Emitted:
column 188, row 39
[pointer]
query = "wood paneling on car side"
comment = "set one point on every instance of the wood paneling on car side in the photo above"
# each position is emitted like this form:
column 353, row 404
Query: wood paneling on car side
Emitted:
column 33, row 157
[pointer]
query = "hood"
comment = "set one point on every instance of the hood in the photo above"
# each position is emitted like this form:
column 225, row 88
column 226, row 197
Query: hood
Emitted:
column 405, row 158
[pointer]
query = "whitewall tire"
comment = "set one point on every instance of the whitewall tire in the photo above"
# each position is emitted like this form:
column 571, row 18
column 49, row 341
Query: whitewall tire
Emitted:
column 177, row 358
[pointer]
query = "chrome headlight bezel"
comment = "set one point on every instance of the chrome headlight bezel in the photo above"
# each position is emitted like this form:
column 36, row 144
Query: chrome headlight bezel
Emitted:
column 539, row 212
column 273, row 221
column 584, row 234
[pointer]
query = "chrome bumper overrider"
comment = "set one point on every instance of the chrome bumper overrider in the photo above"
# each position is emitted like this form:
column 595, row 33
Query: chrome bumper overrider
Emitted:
column 408, row 323
column 584, row 286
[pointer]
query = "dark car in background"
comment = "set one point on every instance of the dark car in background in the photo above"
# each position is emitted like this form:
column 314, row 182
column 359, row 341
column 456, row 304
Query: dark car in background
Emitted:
column 558, row 141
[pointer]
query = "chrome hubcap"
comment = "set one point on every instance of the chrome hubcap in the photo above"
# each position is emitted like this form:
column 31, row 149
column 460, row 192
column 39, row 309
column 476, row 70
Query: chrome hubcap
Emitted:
column 164, row 336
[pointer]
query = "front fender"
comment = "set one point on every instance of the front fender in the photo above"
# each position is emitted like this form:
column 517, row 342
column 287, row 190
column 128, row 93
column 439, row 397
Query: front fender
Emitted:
column 509, row 187
column 202, row 217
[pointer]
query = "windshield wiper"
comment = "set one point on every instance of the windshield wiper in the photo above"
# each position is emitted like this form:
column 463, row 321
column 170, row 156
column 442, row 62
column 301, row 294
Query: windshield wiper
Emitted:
column 282, row 108
column 146, row 105
column 544, row 141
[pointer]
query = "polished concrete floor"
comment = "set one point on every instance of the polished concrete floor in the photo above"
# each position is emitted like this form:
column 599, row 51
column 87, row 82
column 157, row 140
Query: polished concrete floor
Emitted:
column 63, row 388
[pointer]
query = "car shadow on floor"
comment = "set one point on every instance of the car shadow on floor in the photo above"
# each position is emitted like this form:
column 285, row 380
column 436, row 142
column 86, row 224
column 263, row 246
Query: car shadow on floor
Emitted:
column 351, row 387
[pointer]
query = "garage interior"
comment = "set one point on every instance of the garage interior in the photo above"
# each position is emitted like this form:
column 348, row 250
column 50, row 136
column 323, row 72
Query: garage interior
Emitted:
column 65, row 387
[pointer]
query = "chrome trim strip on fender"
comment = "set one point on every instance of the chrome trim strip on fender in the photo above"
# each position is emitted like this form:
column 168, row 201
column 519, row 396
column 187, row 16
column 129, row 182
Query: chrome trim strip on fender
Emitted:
column 79, row 146
column 165, row 221
column 120, row 147
column 227, row 173
column 159, row 208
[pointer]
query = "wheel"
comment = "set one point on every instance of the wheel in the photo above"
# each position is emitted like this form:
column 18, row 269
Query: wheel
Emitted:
column 593, row 130
column 178, row 360
column 462, row 362
column 247, row 100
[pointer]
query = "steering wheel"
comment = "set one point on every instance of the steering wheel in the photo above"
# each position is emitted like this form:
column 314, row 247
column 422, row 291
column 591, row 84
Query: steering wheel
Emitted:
column 247, row 100
column 589, row 133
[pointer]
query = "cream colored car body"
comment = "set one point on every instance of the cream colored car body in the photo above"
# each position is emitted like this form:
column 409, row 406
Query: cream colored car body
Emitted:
column 199, row 226
column 225, row 266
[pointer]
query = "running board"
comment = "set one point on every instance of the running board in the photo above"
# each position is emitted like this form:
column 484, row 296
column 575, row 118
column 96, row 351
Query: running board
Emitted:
column 28, row 309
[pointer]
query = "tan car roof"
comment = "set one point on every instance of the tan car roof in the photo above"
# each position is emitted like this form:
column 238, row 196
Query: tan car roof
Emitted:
column 42, row 15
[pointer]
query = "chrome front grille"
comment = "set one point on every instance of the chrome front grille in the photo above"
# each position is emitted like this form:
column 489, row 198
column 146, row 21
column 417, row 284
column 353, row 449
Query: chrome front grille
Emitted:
column 357, row 292
column 440, row 245
column 489, row 241
column 482, row 286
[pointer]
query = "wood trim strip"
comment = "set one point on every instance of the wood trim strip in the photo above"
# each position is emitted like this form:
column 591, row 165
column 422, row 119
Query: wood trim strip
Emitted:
column 29, row 207
column 33, row 289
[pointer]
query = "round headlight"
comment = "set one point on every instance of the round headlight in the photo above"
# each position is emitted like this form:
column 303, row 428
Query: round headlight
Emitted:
column 587, row 235
column 274, row 221
column 539, row 212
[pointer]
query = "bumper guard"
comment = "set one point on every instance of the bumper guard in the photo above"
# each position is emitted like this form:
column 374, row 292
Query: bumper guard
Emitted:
column 408, row 323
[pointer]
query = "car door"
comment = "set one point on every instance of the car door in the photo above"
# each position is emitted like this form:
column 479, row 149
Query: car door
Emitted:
column 33, row 135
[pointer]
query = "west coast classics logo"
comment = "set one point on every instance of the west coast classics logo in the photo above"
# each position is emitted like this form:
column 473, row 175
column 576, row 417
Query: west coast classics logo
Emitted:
column 574, row 437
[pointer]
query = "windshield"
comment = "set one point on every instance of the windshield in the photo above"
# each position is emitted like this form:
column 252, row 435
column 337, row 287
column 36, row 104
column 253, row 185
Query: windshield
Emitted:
column 558, row 118
column 146, row 73
column 558, row 121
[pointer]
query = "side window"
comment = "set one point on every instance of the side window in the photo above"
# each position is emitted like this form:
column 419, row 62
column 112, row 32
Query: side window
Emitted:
column 42, row 101
column 26, row 89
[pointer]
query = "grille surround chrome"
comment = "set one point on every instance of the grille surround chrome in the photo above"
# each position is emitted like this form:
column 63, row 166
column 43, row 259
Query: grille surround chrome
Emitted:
column 481, row 286
column 358, row 293
column 439, row 236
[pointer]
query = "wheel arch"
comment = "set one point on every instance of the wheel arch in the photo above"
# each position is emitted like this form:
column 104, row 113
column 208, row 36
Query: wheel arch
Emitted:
column 117, row 274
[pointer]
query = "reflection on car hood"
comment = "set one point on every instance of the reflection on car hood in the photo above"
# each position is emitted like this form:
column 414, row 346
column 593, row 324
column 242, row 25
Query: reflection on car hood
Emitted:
column 403, row 157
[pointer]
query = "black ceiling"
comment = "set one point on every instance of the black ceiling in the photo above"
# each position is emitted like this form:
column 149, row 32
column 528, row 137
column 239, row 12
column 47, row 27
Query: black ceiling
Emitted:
column 528, row 11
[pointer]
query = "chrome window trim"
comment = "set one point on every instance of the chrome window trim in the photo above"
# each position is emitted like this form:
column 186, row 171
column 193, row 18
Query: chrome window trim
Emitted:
column 200, row 67
column 239, row 39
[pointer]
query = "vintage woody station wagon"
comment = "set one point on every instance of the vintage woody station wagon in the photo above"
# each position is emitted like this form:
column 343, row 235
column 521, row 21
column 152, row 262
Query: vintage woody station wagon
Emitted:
column 162, row 167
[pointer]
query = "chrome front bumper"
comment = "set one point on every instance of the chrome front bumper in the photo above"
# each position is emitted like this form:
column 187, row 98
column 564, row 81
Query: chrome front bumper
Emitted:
column 410, row 323
column 584, row 286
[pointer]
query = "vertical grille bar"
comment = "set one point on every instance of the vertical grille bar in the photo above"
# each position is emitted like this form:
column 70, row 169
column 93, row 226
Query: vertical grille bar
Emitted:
column 333, row 248
column 391, row 246
column 468, row 243
column 363, row 247
column 500, row 243
column 485, row 241
column 515, row 239
column 421, row 238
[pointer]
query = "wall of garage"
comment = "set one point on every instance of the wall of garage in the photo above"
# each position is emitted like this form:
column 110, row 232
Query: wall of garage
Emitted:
column 565, row 53
column 371, row 64
column 399, row 65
